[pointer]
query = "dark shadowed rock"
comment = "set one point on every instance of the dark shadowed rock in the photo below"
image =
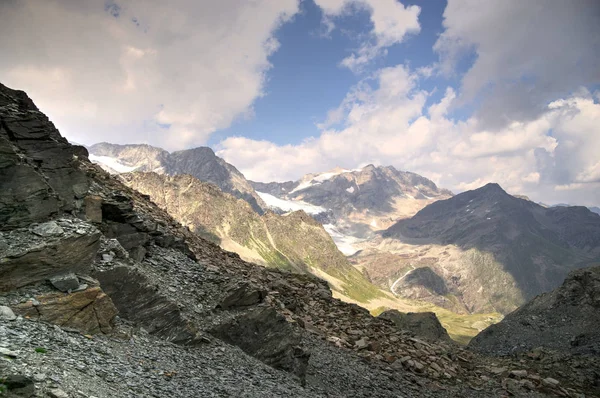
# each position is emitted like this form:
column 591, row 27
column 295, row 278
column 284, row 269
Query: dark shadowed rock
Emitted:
column 266, row 335
column 139, row 301
column 423, row 324
column 565, row 320
column 242, row 296
column 36, row 164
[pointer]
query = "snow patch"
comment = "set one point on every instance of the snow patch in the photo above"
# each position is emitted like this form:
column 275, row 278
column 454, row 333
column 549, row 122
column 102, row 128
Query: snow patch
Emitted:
column 344, row 243
column 112, row 163
column 290, row 205
column 303, row 185
column 350, row 190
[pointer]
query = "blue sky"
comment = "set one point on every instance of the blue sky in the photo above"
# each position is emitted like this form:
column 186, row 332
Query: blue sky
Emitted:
column 464, row 92
column 306, row 79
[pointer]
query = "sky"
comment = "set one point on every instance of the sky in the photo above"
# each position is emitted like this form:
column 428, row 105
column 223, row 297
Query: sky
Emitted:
column 463, row 92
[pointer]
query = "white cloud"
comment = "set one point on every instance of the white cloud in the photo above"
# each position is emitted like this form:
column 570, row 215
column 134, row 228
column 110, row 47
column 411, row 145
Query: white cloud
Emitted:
column 527, row 53
column 193, row 65
column 387, row 122
column 391, row 20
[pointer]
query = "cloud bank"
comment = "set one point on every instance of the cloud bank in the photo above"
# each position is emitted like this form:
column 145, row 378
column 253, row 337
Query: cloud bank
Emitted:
column 167, row 73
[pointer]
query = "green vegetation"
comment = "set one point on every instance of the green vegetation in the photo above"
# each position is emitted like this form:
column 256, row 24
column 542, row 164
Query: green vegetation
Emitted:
column 355, row 285
column 41, row 350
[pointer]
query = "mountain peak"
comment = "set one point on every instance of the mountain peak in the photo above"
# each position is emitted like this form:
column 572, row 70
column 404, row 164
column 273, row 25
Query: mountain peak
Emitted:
column 491, row 187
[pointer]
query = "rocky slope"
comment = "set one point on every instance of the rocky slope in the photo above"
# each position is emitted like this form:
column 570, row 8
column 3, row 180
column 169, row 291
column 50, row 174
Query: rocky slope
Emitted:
column 200, row 162
column 360, row 201
column 192, row 319
column 564, row 320
column 294, row 241
column 495, row 251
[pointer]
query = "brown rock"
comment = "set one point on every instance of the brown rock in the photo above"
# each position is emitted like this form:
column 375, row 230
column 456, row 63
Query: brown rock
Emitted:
column 93, row 208
column 35, row 263
column 89, row 311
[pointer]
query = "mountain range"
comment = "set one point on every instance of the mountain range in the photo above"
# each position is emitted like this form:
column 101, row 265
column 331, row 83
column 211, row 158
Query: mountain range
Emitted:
column 78, row 248
column 294, row 241
column 358, row 201
column 200, row 162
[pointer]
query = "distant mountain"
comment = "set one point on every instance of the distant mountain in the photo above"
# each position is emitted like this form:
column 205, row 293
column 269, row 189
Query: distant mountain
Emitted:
column 294, row 242
column 360, row 200
column 200, row 162
column 595, row 209
column 495, row 251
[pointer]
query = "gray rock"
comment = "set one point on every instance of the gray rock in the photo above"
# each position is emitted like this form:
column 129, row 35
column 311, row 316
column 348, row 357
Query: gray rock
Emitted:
column 6, row 352
column 423, row 324
column 6, row 313
column 266, row 335
column 57, row 393
column 242, row 296
column 65, row 282
column 48, row 229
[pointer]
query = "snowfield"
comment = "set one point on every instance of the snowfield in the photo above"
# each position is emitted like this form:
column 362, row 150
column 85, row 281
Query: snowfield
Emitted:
column 290, row 205
column 113, row 163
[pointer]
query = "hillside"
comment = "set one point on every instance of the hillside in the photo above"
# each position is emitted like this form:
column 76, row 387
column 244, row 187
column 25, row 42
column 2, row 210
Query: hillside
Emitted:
column 496, row 251
column 200, row 162
column 294, row 241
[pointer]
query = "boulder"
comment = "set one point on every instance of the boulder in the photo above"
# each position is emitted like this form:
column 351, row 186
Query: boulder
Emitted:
column 266, row 335
column 89, row 311
column 65, row 282
column 28, row 258
column 423, row 324
column 242, row 295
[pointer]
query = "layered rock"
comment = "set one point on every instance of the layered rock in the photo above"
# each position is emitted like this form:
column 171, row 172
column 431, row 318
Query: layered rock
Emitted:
column 36, row 164
column 423, row 324
column 89, row 311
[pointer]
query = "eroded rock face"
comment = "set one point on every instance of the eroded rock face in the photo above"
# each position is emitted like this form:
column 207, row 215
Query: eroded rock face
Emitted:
column 89, row 311
column 423, row 324
column 138, row 301
column 26, row 257
column 564, row 320
column 265, row 334
column 36, row 172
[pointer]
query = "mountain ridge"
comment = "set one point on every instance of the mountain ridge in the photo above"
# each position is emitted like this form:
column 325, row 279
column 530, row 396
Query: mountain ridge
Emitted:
column 200, row 162
column 535, row 247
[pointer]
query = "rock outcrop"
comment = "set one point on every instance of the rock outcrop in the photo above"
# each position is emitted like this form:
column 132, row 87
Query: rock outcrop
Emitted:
column 423, row 324
column 565, row 320
column 88, row 311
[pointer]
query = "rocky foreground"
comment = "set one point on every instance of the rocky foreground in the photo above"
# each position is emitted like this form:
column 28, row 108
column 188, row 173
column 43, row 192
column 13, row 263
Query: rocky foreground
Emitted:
column 103, row 294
